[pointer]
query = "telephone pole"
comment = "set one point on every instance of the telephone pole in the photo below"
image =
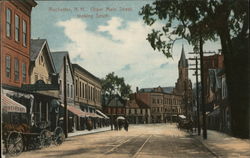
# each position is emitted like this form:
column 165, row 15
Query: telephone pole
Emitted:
column 197, row 91
column 65, row 98
column 204, row 123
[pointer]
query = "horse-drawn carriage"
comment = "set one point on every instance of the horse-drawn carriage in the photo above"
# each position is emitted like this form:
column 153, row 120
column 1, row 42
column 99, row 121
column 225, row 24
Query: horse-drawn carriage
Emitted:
column 20, row 132
column 19, row 137
column 184, row 123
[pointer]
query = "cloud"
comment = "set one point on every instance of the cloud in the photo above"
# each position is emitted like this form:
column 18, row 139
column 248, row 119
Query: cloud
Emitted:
column 120, row 46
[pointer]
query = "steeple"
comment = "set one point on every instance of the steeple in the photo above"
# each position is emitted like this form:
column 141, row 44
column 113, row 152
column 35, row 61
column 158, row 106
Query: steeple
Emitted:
column 183, row 61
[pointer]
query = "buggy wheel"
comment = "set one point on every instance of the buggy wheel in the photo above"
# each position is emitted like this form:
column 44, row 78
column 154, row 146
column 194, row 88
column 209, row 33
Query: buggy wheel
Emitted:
column 58, row 136
column 14, row 144
column 45, row 138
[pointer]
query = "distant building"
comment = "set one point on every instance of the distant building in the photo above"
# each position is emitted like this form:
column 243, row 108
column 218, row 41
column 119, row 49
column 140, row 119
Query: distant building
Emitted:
column 166, row 103
column 114, row 108
column 164, row 107
column 137, row 112
column 183, row 86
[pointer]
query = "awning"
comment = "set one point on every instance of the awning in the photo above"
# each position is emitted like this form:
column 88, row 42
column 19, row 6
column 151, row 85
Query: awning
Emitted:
column 80, row 113
column 9, row 105
column 75, row 110
column 102, row 114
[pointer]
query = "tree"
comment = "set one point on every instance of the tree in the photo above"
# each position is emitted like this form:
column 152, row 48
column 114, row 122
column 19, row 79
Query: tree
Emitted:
column 114, row 86
column 227, row 20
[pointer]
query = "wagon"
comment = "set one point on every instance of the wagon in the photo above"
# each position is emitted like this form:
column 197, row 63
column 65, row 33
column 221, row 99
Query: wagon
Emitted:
column 19, row 137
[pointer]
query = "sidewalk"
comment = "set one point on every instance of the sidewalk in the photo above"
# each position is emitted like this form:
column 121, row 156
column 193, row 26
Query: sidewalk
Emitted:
column 225, row 146
column 77, row 133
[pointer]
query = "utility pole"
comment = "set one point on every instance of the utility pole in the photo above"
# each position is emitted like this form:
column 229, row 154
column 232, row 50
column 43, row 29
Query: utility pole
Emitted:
column 65, row 98
column 197, row 96
column 197, row 89
column 202, row 91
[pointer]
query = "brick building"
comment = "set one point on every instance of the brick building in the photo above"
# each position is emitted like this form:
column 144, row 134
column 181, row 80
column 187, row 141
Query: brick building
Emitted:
column 164, row 105
column 15, row 42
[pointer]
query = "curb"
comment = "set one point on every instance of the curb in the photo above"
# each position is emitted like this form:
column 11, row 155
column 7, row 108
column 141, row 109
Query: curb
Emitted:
column 206, row 146
column 88, row 133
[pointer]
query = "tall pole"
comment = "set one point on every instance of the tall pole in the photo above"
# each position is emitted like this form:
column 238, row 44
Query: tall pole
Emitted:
column 197, row 97
column 202, row 91
column 65, row 98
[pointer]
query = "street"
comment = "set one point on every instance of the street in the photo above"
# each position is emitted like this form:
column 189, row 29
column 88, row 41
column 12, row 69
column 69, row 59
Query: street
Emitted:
column 141, row 141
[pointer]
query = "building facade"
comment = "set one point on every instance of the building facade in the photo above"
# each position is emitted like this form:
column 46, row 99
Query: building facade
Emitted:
column 42, row 71
column 88, row 97
column 15, row 42
column 137, row 112
column 164, row 106
column 15, row 58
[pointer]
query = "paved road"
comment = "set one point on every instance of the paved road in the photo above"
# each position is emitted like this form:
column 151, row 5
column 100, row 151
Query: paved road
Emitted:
column 141, row 141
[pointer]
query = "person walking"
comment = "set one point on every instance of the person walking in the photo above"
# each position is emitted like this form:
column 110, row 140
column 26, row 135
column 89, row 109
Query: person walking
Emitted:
column 126, row 124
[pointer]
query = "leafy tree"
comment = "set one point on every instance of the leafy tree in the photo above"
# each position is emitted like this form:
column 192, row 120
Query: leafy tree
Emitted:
column 193, row 20
column 114, row 86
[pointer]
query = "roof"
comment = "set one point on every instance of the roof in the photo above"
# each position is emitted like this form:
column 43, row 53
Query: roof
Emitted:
column 183, row 62
column 36, row 48
column 85, row 71
column 58, row 59
column 163, row 89
column 115, row 102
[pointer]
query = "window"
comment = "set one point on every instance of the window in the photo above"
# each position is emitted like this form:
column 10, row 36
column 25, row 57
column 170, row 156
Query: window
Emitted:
column 36, row 78
column 24, row 33
column 24, row 73
column 16, row 67
column 71, row 91
column 83, row 89
column 8, row 22
column 8, row 66
column 68, row 90
column 17, row 28
column 80, row 89
column 60, row 84
column 76, row 85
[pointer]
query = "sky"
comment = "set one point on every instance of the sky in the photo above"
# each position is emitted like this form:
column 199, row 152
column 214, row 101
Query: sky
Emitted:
column 106, row 37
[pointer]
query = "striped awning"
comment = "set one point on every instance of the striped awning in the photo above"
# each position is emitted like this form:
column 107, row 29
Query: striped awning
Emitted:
column 81, row 113
column 9, row 105
column 102, row 114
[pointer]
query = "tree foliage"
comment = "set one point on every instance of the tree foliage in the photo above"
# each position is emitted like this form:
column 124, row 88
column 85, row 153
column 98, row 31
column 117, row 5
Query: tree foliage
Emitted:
column 114, row 86
column 190, row 19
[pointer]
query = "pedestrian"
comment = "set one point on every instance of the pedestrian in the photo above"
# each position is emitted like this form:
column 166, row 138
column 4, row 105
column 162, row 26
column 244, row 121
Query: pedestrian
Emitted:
column 126, row 124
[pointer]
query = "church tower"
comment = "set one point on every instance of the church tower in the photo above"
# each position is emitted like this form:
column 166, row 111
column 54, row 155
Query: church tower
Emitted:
column 183, row 66
column 183, row 84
